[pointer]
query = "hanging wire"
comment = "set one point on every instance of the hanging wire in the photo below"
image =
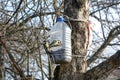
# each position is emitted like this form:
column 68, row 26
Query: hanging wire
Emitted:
column 74, row 20
column 68, row 20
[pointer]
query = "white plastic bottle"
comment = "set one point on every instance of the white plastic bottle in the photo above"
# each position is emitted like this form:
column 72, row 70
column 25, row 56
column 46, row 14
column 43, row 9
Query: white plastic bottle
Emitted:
column 61, row 32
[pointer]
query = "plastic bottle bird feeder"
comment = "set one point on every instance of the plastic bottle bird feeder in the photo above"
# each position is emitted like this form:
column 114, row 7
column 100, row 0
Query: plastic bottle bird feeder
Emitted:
column 60, row 42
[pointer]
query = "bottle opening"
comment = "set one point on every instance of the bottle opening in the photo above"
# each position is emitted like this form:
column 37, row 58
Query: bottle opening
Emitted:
column 60, row 19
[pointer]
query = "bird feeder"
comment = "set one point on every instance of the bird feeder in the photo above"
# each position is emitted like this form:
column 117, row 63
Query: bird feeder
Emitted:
column 60, row 42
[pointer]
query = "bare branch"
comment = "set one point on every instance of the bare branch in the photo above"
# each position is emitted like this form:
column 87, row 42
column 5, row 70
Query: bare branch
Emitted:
column 112, row 4
column 113, row 33
column 105, row 68
column 32, row 16
column 15, row 11
column 12, row 59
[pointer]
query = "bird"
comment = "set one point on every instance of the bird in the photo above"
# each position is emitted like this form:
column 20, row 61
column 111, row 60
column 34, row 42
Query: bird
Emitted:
column 55, row 43
column 46, row 45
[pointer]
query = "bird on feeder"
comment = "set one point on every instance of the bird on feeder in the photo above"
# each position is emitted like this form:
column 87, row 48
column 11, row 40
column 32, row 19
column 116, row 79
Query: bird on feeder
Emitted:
column 55, row 43
column 47, row 45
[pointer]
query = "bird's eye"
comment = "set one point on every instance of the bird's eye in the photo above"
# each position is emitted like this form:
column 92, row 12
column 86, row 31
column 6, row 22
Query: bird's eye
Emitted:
column 58, row 41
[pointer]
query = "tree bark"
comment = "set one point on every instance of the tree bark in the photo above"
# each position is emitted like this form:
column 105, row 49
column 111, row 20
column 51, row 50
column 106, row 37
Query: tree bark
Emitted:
column 77, row 9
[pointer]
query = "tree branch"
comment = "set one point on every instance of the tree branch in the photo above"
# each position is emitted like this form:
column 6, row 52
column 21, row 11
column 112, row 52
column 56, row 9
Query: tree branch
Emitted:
column 12, row 59
column 15, row 11
column 109, row 5
column 105, row 68
column 32, row 16
column 113, row 33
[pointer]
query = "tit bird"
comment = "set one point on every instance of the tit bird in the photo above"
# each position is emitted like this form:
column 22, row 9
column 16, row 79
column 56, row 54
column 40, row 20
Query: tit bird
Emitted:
column 55, row 43
column 46, row 45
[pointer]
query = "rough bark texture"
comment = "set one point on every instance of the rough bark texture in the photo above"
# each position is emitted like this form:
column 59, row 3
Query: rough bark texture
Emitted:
column 77, row 9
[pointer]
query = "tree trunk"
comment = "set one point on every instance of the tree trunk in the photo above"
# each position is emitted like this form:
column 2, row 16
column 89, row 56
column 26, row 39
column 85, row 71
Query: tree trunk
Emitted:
column 77, row 9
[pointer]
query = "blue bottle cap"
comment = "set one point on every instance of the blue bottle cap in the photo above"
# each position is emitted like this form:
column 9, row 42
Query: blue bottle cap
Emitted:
column 60, row 19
